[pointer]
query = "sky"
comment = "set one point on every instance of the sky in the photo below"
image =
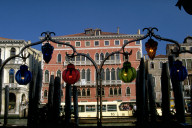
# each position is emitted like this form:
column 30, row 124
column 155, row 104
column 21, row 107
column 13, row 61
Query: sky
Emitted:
column 27, row 19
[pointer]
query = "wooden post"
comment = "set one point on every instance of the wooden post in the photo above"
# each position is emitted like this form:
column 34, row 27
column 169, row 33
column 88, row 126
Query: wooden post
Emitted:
column 57, row 99
column 178, row 95
column 68, row 105
column 75, row 104
column 50, row 98
column 140, row 93
column 1, row 84
column 165, row 89
column 151, row 93
column 6, row 104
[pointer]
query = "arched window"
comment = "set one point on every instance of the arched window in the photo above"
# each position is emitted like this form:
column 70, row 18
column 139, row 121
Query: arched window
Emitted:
column 77, row 58
column 119, row 91
column 11, row 75
column 88, row 92
column 46, row 76
column 107, row 55
column 112, row 57
column 0, row 53
column 117, row 57
column 102, row 74
column 61, row 93
column 45, row 94
column 115, row 91
column 107, row 74
column 128, row 91
column 101, row 56
column 97, row 56
column 83, row 74
column 138, row 55
column 103, row 91
column 59, row 58
column 59, row 74
column 87, row 55
column 12, row 53
column 88, row 75
column 111, row 91
column 82, row 58
column 117, row 72
column 112, row 74
column 12, row 100
column 152, row 65
column 83, row 92
column 79, row 92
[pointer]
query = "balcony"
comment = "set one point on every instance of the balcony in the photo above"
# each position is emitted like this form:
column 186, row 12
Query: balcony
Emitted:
column 15, row 85
column 93, row 83
column 90, row 63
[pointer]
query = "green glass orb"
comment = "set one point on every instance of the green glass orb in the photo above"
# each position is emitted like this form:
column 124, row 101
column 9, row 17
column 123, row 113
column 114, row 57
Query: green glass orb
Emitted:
column 127, row 74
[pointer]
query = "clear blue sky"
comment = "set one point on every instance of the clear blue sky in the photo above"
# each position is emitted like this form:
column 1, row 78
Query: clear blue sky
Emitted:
column 27, row 19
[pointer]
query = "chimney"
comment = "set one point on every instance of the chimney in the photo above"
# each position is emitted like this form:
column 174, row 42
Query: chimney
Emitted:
column 138, row 32
column 117, row 30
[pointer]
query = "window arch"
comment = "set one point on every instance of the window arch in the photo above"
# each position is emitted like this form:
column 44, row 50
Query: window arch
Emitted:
column 83, row 92
column 101, row 56
column 152, row 65
column 45, row 93
column 59, row 58
column 107, row 74
column 117, row 73
column 117, row 56
column 46, row 76
column 111, row 91
column 115, row 91
column 138, row 55
column 79, row 92
column 88, row 75
column 11, row 75
column 97, row 56
column 102, row 74
column 112, row 74
column 107, row 55
column 12, row 53
column 128, row 91
column 88, row 92
column 83, row 74
column 103, row 91
column 119, row 90
column 59, row 73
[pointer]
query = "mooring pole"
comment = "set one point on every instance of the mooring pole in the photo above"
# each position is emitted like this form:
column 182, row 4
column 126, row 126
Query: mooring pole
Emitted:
column 6, row 104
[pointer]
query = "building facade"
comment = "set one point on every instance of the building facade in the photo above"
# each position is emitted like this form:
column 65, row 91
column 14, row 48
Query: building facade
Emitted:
column 18, row 94
column 97, row 44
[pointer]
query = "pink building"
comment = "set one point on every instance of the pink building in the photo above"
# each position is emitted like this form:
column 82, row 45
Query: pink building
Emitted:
column 97, row 45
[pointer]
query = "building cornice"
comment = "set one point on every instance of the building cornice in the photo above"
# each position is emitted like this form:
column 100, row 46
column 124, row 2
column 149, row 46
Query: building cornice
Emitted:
column 96, row 37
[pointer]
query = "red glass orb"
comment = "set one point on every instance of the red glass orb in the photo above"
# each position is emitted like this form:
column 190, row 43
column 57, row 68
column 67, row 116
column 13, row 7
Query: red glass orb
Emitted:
column 71, row 75
column 151, row 47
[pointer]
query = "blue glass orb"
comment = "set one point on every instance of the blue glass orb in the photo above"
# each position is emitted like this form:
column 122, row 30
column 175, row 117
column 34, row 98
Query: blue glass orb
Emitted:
column 47, row 51
column 178, row 72
column 23, row 76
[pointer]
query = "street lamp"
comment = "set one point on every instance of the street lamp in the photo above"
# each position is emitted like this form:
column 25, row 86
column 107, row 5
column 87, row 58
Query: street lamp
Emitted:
column 47, row 50
column 151, row 47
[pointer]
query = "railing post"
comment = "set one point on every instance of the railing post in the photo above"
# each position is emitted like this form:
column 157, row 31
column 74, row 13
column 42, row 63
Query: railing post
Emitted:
column 50, row 98
column 75, row 104
column 178, row 95
column 140, row 93
column 68, row 105
column 151, row 93
column 56, row 99
column 6, row 104
column 165, row 89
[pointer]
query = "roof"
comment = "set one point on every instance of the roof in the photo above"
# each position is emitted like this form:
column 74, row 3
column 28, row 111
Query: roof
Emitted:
column 2, row 38
column 161, row 56
column 84, row 34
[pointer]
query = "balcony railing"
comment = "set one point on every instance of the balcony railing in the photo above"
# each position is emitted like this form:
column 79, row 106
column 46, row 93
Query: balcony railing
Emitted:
column 93, row 83
column 89, row 62
column 14, row 85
